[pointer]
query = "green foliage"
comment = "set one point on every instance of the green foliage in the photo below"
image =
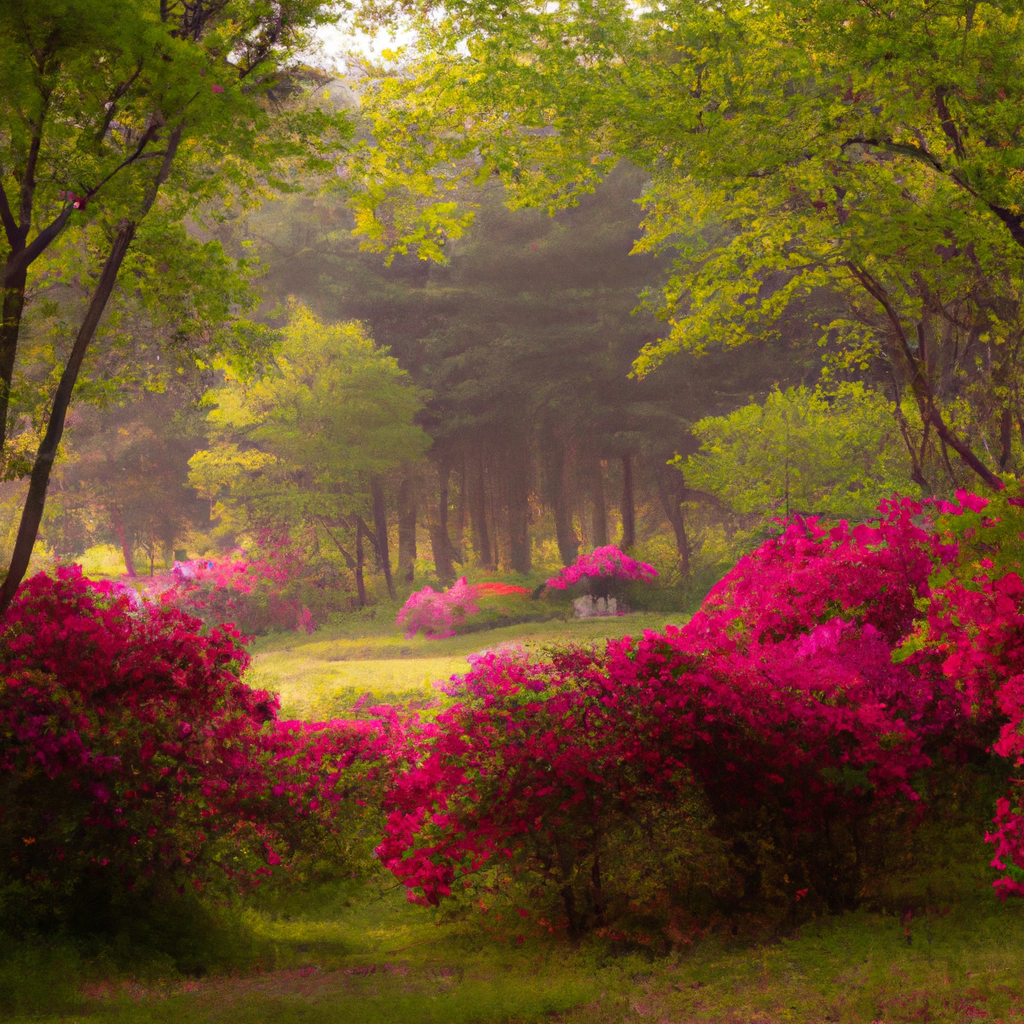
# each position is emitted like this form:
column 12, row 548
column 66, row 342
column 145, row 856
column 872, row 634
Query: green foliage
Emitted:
column 802, row 156
column 802, row 451
column 295, row 447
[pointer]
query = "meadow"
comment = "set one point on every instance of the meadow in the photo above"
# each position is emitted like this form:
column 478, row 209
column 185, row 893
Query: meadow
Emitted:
column 934, row 944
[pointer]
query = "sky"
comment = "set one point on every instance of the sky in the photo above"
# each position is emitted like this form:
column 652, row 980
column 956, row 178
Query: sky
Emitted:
column 341, row 40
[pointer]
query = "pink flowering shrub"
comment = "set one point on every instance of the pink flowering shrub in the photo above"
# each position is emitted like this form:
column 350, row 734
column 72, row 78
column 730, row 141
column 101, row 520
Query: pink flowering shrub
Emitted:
column 783, row 736
column 437, row 614
column 973, row 636
column 277, row 588
column 131, row 754
column 253, row 593
column 604, row 570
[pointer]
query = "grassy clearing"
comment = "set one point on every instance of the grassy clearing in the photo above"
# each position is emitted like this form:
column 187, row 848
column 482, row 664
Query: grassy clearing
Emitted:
column 341, row 955
column 318, row 674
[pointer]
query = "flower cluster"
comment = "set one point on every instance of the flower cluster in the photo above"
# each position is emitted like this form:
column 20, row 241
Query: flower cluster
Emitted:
column 762, row 755
column 254, row 593
column 498, row 590
column 792, row 715
column 437, row 614
column 603, row 563
column 130, row 750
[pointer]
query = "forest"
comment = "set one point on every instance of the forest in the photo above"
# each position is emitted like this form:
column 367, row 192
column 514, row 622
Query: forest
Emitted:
column 511, row 510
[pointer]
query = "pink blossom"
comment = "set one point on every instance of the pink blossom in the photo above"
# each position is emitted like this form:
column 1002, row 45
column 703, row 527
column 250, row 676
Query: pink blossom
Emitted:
column 606, row 562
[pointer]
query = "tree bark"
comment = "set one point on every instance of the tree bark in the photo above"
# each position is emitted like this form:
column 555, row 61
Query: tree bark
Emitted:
column 440, row 542
column 127, row 552
column 561, row 507
column 35, row 500
column 460, row 513
column 628, row 504
column 478, row 514
column 519, row 512
column 380, row 527
column 599, row 519
column 360, row 562
column 1005, row 439
column 407, row 528
column 10, row 330
column 671, row 491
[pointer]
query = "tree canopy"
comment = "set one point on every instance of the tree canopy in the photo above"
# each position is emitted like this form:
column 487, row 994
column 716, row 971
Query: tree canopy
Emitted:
column 873, row 151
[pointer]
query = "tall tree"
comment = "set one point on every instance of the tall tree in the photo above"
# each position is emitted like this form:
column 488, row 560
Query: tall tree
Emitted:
column 306, row 445
column 792, row 146
column 524, row 340
column 117, row 122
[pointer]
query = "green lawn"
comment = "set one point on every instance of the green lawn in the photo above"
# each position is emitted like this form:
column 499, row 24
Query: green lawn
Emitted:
column 315, row 674
column 336, row 961
column 358, row 953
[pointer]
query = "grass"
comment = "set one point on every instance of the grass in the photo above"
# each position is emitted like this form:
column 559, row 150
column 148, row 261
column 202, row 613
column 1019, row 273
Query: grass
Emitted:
column 357, row 953
column 319, row 674
column 337, row 956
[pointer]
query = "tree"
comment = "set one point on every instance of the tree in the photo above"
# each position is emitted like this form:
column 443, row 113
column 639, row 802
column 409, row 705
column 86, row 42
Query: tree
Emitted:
column 124, row 477
column 522, row 341
column 802, row 451
column 792, row 147
column 117, row 123
column 310, row 442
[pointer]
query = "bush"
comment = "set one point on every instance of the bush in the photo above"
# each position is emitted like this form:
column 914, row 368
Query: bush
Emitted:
column 278, row 589
column 604, row 573
column 774, row 736
column 132, row 757
column 436, row 614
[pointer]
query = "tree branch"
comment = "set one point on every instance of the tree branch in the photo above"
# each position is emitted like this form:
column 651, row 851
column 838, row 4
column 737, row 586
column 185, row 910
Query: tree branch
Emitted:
column 7, row 219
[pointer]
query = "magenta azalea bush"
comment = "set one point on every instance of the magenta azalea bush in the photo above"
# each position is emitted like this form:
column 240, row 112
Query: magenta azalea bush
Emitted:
column 256, row 594
column 766, row 754
column 436, row 614
column 131, row 755
column 601, row 568
column 773, row 755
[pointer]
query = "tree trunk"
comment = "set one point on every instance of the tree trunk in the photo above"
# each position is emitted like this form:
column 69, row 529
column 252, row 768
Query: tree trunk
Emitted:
column 440, row 542
column 460, row 514
column 519, row 512
column 35, row 500
column 10, row 330
column 671, row 490
column 127, row 548
column 20, row 256
column 441, row 548
column 360, row 561
column 600, row 516
column 380, row 528
column 919, row 380
column 407, row 528
column 478, row 514
column 1005, row 439
column 561, row 506
column 628, row 504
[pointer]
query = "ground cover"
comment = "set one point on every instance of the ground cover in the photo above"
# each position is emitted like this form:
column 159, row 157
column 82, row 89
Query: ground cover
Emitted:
column 326, row 670
column 340, row 955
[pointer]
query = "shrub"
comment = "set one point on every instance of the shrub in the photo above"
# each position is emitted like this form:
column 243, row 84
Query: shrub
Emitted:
column 775, row 735
column 437, row 614
column 279, row 588
column 604, row 570
column 132, row 756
